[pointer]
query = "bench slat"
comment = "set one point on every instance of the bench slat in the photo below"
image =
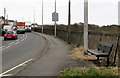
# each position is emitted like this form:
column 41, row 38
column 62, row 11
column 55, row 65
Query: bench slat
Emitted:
column 105, row 44
column 97, row 53
column 105, row 47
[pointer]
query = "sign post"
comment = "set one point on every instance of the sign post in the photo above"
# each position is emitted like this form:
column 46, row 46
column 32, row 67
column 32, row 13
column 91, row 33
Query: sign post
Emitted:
column 55, row 18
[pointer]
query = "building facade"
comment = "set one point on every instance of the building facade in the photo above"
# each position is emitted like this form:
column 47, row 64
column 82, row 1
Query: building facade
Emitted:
column 1, row 21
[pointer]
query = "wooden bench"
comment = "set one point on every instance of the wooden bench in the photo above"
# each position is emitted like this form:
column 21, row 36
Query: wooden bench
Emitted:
column 103, row 50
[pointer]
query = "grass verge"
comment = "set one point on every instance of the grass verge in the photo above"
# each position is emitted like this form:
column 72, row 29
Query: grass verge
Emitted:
column 77, row 53
column 88, row 72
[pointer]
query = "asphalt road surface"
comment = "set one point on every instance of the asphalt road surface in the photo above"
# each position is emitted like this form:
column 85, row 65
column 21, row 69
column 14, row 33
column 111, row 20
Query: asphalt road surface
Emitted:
column 15, row 52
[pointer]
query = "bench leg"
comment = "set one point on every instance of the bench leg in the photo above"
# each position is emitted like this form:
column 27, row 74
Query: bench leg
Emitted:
column 107, row 61
column 97, row 58
column 99, row 61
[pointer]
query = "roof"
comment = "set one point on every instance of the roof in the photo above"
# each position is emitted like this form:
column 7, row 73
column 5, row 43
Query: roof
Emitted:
column 11, row 20
column 1, row 17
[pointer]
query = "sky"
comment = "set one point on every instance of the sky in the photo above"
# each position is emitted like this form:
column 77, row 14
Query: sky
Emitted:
column 101, row 12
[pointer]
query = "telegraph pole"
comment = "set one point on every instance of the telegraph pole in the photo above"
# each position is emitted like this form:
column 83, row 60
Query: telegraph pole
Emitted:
column 7, row 19
column 4, row 14
column 34, row 16
column 42, row 16
column 69, row 20
column 119, row 13
column 85, row 26
column 55, row 19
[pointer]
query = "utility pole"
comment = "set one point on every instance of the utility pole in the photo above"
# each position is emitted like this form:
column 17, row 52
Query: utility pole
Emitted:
column 34, row 15
column 55, row 19
column 119, row 13
column 42, row 16
column 69, row 20
column 7, row 19
column 85, row 26
column 4, row 14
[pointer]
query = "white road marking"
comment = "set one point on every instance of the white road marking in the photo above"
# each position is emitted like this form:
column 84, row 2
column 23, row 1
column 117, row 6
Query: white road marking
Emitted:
column 7, row 75
column 6, row 47
column 14, row 43
column 22, row 64
column 22, row 36
column 2, row 47
column 11, row 43
column 25, row 37
column 22, row 40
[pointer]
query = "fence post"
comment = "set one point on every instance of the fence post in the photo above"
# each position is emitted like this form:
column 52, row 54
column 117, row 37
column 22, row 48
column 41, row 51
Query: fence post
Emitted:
column 117, row 47
column 100, row 36
column 119, row 53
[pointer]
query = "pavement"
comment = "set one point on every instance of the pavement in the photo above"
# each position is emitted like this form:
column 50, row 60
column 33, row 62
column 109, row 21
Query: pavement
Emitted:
column 53, row 61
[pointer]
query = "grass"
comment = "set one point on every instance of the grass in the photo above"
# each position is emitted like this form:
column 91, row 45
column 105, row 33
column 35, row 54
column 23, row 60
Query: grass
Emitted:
column 77, row 53
column 87, row 73
column 81, row 72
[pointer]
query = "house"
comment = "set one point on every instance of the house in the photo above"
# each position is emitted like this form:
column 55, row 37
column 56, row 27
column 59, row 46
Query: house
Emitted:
column 34, row 25
column 1, row 21
column 11, row 22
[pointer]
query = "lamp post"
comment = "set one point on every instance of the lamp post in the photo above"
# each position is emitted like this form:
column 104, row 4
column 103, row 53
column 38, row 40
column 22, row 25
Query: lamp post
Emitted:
column 119, row 13
column 42, row 16
column 85, row 26
column 69, row 20
column 4, row 14
column 34, row 16
column 55, row 19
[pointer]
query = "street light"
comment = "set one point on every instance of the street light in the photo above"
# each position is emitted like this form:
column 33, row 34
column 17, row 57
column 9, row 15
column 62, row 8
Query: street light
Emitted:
column 4, row 14
column 55, row 19
column 85, row 26
column 119, row 13
column 69, row 20
column 34, row 16
column 42, row 16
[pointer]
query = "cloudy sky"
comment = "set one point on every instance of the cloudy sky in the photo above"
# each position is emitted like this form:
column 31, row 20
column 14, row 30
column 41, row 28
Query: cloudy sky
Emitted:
column 101, row 12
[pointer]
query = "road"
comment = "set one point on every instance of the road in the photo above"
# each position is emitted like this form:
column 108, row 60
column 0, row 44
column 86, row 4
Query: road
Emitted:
column 15, row 52
column 51, row 62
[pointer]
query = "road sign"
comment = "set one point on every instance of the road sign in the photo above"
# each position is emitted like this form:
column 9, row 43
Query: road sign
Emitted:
column 54, row 16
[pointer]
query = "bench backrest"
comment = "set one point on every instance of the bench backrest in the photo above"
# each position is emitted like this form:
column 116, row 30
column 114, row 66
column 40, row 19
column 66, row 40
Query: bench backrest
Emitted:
column 105, row 47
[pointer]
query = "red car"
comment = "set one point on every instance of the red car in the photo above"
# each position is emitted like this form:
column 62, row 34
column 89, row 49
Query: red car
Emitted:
column 10, row 35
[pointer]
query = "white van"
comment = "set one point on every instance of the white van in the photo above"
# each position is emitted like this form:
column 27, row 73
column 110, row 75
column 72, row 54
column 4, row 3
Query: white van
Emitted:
column 8, row 28
column 28, row 28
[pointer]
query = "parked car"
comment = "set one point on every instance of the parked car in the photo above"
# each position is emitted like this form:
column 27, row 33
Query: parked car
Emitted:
column 10, row 35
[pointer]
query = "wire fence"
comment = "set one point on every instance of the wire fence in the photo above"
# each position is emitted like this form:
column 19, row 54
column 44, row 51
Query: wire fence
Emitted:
column 76, row 38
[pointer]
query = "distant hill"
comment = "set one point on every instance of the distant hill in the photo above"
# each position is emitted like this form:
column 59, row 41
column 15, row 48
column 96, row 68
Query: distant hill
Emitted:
column 78, row 27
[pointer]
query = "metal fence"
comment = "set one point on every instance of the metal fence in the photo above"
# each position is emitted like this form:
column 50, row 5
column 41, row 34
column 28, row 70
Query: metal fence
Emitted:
column 76, row 38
